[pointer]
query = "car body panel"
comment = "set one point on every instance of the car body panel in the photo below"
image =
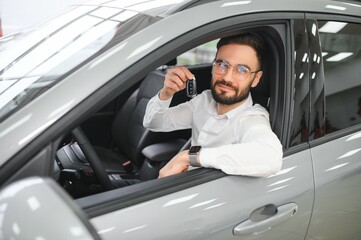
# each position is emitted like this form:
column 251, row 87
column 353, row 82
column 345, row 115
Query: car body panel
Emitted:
column 211, row 211
column 337, row 166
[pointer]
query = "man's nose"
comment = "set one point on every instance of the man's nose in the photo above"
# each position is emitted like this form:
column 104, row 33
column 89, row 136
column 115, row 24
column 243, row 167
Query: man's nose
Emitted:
column 228, row 75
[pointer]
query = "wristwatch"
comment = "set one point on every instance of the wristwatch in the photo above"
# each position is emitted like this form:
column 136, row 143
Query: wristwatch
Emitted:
column 193, row 155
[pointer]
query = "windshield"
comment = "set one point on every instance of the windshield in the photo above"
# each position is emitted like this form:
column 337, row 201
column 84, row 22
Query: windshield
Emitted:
column 33, row 62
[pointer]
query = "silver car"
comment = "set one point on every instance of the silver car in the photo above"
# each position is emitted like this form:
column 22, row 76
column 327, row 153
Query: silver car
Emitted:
column 76, row 162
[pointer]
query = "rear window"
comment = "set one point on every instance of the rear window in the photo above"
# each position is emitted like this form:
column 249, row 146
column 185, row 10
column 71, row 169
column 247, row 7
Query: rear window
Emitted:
column 341, row 52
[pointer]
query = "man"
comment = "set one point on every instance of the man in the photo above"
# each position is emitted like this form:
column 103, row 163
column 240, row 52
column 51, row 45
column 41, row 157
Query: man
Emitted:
column 228, row 131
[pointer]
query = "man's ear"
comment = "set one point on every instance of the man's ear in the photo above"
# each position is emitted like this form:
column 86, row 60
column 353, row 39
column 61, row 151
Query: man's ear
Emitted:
column 257, row 79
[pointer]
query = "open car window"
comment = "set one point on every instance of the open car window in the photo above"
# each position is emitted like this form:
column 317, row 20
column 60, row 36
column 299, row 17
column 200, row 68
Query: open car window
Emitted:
column 131, row 154
column 202, row 54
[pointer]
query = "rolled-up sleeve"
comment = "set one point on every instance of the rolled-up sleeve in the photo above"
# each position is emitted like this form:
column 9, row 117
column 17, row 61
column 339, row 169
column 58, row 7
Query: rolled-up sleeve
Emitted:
column 160, row 117
column 259, row 152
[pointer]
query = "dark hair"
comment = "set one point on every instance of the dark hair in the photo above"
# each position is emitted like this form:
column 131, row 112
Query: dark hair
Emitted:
column 250, row 39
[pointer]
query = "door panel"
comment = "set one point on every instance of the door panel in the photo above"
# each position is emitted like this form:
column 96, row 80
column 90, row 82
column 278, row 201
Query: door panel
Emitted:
column 337, row 210
column 212, row 210
column 337, row 154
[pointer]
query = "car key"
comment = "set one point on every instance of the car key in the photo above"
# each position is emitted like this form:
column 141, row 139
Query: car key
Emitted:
column 191, row 87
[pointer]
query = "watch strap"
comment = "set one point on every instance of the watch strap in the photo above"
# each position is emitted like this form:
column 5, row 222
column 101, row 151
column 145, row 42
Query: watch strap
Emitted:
column 193, row 161
column 193, row 155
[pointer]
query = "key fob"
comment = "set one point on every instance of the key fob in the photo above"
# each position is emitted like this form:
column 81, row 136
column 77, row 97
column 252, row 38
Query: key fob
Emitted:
column 191, row 88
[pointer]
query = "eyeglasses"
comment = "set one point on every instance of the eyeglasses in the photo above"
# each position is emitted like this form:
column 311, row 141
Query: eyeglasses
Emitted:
column 240, row 71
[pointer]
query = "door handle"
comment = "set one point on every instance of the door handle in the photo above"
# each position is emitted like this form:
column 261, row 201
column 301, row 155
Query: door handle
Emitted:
column 281, row 214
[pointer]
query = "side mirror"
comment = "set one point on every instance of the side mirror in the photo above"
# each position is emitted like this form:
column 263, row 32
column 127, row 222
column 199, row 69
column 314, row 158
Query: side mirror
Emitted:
column 37, row 208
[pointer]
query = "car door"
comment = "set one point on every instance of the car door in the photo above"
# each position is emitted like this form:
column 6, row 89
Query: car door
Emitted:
column 336, row 145
column 206, row 204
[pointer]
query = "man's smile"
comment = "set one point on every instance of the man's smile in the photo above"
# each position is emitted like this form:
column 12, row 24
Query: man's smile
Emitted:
column 225, row 86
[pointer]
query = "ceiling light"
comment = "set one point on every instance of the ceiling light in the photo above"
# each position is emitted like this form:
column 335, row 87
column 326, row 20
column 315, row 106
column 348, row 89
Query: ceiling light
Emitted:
column 332, row 27
column 338, row 57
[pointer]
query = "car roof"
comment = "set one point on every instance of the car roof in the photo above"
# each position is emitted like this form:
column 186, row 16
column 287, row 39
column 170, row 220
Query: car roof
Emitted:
column 349, row 7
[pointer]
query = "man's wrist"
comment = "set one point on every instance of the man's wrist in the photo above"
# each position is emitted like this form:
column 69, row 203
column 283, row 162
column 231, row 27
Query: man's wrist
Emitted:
column 194, row 162
column 193, row 156
column 163, row 96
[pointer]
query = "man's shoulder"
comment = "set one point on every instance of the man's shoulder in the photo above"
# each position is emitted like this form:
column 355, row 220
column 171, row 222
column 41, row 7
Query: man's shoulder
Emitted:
column 255, row 117
column 256, row 110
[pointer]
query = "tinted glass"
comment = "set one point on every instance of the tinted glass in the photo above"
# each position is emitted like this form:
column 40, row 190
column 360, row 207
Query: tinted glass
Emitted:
column 341, row 45
column 300, row 87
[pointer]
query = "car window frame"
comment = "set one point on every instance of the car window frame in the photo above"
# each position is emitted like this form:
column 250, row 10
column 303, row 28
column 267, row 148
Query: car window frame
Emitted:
column 120, row 198
column 171, row 49
column 351, row 129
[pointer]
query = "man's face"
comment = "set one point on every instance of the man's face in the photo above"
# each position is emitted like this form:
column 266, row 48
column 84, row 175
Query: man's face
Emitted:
column 228, row 88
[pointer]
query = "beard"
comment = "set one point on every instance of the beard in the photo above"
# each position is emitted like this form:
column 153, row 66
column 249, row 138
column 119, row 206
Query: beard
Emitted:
column 222, row 97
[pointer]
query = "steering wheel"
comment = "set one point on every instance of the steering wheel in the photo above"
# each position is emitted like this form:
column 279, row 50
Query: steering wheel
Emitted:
column 92, row 157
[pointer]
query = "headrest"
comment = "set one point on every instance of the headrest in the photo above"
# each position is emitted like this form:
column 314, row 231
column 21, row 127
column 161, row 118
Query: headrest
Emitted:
column 261, row 93
column 151, row 84
column 172, row 62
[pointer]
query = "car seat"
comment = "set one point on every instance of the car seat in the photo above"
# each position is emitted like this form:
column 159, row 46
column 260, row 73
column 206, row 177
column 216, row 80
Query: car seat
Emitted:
column 129, row 135
column 128, row 132
column 261, row 93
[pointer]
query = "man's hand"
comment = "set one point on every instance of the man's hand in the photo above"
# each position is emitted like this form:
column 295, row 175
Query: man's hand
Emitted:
column 175, row 81
column 179, row 163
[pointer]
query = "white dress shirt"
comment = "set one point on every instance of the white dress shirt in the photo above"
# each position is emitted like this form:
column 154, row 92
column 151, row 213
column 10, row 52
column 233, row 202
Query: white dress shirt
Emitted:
column 240, row 142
